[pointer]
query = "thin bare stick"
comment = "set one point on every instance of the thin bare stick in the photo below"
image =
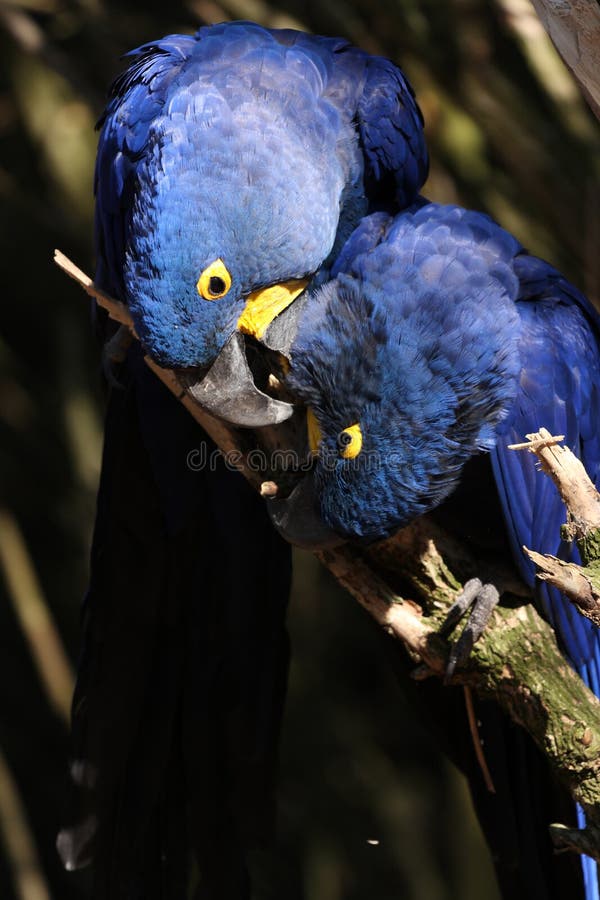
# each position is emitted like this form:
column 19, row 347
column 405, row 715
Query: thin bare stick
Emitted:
column 473, row 728
column 115, row 309
column 535, row 444
column 221, row 433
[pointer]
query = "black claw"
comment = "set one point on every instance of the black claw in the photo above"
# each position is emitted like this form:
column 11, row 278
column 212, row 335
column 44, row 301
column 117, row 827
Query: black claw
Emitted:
column 486, row 601
column 481, row 599
column 460, row 652
column 461, row 605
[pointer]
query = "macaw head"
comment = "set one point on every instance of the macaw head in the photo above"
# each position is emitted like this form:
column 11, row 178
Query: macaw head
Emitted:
column 217, row 245
column 231, row 217
column 403, row 380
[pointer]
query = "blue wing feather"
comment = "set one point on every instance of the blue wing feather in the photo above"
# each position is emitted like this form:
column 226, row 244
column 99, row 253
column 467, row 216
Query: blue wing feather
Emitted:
column 559, row 390
column 560, row 350
column 137, row 97
column 390, row 126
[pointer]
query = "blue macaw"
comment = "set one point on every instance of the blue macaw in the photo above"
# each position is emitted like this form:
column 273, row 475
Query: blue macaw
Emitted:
column 438, row 342
column 232, row 165
column 228, row 163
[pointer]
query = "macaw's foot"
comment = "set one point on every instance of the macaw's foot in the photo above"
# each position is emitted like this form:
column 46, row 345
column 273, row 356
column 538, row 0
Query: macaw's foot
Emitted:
column 480, row 599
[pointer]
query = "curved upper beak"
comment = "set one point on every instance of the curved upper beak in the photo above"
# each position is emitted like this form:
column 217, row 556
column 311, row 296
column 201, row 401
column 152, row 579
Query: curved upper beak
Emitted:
column 228, row 390
column 265, row 306
column 297, row 520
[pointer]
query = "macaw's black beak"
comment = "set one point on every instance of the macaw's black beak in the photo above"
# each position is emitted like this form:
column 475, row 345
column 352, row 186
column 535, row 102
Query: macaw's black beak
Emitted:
column 280, row 334
column 228, row 390
column 297, row 520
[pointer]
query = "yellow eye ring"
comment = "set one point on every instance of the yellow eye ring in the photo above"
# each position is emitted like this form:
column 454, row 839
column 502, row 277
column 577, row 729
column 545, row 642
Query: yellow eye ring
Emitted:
column 350, row 442
column 215, row 281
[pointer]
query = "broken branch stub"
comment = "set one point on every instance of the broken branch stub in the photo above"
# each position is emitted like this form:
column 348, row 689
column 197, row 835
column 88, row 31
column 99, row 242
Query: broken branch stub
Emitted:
column 577, row 490
column 580, row 585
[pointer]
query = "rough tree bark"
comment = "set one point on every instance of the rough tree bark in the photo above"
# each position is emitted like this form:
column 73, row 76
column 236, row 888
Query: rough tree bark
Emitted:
column 517, row 661
column 581, row 585
column 574, row 28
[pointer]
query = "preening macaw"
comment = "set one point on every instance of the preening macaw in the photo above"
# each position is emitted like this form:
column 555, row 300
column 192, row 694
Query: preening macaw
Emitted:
column 232, row 165
column 229, row 164
column 438, row 342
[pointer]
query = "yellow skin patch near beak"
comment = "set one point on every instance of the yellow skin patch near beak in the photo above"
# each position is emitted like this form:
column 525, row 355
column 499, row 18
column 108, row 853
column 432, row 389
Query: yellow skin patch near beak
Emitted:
column 264, row 305
column 350, row 442
column 314, row 432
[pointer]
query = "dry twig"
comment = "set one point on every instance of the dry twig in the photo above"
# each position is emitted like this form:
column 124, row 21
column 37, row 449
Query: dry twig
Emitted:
column 580, row 585
column 574, row 485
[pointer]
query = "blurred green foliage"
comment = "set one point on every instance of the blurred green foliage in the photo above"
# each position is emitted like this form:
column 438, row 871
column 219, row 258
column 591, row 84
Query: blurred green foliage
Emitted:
column 508, row 134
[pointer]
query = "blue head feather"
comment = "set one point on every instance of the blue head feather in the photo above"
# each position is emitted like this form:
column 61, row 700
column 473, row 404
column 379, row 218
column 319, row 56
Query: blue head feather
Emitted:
column 421, row 350
column 246, row 145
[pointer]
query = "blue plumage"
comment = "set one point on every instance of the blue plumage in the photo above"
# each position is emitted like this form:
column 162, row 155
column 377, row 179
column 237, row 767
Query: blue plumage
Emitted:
column 559, row 389
column 441, row 337
column 394, row 343
column 256, row 147
column 227, row 161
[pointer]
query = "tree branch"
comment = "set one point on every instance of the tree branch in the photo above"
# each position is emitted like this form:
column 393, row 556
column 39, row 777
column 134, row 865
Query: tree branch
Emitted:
column 581, row 585
column 574, row 28
column 574, row 485
column 517, row 661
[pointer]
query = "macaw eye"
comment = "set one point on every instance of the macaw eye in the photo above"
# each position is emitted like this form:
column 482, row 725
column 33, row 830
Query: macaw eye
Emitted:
column 349, row 442
column 214, row 281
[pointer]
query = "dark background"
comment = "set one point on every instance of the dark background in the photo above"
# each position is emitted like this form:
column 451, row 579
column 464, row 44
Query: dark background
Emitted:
column 508, row 134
